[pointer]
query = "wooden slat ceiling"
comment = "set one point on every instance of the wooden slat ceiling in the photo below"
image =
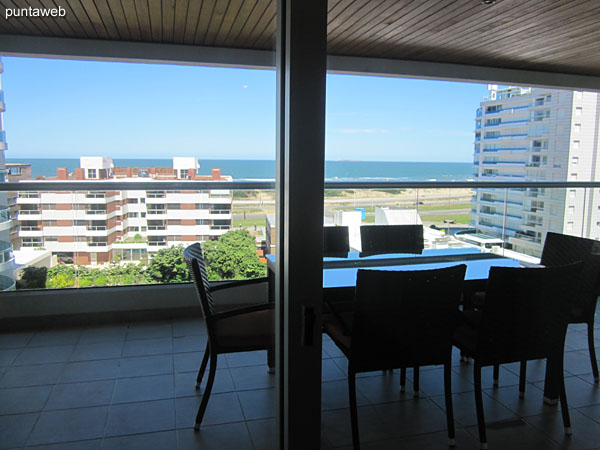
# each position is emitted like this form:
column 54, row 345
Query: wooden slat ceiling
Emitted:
column 547, row 35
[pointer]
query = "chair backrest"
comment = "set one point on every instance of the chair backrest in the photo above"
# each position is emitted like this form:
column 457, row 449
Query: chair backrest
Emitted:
column 561, row 249
column 405, row 318
column 525, row 314
column 336, row 241
column 377, row 239
column 195, row 261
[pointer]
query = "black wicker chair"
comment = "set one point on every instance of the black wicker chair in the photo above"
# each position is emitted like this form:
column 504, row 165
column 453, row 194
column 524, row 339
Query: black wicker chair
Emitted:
column 336, row 241
column 401, row 319
column 379, row 239
column 524, row 318
column 238, row 330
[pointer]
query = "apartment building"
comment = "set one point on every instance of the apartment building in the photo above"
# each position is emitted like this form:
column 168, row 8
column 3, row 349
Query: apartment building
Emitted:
column 96, row 227
column 6, row 248
column 535, row 134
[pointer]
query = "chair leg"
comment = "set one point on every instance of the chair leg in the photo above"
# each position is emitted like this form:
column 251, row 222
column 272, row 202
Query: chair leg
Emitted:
column 592, row 349
column 403, row 379
column 496, row 374
column 203, row 366
column 522, row 378
column 479, row 406
column 416, row 381
column 564, row 407
column 449, row 408
column 353, row 411
column 209, row 384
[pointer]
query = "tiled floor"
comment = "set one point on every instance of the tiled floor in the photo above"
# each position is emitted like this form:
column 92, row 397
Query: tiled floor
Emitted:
column 132, row 387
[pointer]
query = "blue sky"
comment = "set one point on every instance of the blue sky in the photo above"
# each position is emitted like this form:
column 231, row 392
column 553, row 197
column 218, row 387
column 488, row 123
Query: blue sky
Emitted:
column 57, row 108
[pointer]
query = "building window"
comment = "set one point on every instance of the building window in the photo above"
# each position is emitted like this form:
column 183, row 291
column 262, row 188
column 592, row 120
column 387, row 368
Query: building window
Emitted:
column 569, row 226
column 132, row 200
column 134, row 229
column 578, row 111
column 571, row 209
column 174, row 206
column 572, row 193
column 132, row 215
column 574, row 160
column 573, row 176
column 576, row 145
column 92, row 173
column 577, row 128
column 49, row 206
column 144, row 228
column 14, row 170
column 51, row 239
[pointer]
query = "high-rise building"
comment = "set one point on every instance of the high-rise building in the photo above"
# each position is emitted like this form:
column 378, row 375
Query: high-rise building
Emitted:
column 95, row 227
column 536, row 134
column 7, row 265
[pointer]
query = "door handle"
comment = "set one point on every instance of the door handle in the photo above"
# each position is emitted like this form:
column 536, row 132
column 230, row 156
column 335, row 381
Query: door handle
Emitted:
column 309, row 318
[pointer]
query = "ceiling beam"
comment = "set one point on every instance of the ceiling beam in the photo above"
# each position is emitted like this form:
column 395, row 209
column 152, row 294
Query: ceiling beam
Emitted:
column 141, row 52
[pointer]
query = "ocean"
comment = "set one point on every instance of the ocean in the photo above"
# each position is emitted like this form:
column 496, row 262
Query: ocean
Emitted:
column 246, row 170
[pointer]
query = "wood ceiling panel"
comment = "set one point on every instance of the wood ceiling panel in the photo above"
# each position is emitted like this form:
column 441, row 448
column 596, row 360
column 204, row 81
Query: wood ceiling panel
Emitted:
column 143, row 19
column 93, row 15
column 535, row 34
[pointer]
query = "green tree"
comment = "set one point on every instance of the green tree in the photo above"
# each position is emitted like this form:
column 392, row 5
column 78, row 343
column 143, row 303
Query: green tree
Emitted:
column 233, row 257
column 60, row 276
column 32, row 278
column 168, row 266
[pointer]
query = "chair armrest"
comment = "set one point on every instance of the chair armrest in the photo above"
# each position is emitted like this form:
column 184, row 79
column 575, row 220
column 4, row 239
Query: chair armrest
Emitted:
column 235, row 283
column 245, row 310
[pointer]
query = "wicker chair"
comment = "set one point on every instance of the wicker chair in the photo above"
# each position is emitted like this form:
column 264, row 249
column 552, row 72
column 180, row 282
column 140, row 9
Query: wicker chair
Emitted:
column 401, row 319
column 524, row 318
column 238, row 330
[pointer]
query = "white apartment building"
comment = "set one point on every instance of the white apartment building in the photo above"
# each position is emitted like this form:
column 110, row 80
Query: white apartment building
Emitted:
column 7, row 265
column 96, row 227
column 533, row 134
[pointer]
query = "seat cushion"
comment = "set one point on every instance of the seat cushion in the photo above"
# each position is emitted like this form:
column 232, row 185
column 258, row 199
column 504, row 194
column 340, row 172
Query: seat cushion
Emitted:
column 335, row 332
column 246, row 331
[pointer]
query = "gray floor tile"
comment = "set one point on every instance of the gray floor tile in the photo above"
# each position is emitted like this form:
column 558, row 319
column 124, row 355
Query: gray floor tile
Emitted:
column 515, row 435
column 536, row 370
column 412, row 417
column 506, row 378
column 263, row 434
column 145, row 347
column 140, row 366
column 242, row 359
column 532, row 404
column 383, row 389
column 432, row 382
column 334, row 395
column 90, row 371
column 579, row 392
column 194, row 343
column 593, row 412
column 138, row 389
column 8, row 356
column 190, row 362
column 232, row 436
column 23, row 400
column 222, row 408
column 69, row 425
column 252, row 377
column 585, row 430
column 258, row 404
column 330, row 371
column 78, row 395
column 100, row 350
column 34, row 375
column 91, row 444
column 107, row 333
column 164, row 440
column 439, row 440
column 336, row 430
column 14, row 429
column 55, row 337
column 189, row 327
column 15, row 340
column 149, row 330
column 185, row 383
column 44, row 355
column 578, row 362
column 464, row 409
column 142, row 417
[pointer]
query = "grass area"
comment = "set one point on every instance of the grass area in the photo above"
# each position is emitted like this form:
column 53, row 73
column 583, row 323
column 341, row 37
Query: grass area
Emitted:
column 460, row 218
column 249, row 223
column 369, row 219
column 444, row 206
column 251, row 210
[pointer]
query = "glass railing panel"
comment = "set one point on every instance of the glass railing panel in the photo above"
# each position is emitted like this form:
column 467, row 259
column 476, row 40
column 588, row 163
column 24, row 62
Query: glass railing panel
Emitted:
column 74, row 239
